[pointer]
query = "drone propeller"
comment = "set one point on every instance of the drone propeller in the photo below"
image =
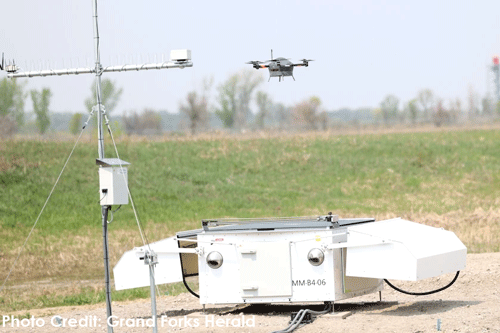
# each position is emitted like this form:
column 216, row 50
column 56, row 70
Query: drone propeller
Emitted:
column 306, row 61
column 256, row 64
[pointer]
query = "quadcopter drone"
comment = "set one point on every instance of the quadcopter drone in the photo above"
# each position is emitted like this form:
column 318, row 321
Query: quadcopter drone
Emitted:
column 279, row 67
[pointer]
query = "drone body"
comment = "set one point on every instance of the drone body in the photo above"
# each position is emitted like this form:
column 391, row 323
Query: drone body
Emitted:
column 279, row 67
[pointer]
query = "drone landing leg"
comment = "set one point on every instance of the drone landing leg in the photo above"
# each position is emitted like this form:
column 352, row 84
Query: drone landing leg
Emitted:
column 269, row 79
column 293, row 78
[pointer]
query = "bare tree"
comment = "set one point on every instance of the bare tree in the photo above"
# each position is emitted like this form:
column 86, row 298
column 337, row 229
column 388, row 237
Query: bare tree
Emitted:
column 441, row 115
column 196, row 111
column 413, row 111
column 389, row 108
column 147, row 123
column 426, row 98
column 235, row 96
column 264, row 104
column 306, row 113
column 323, row 120
column 249, row 80
column 196, row 107
column 455, row 110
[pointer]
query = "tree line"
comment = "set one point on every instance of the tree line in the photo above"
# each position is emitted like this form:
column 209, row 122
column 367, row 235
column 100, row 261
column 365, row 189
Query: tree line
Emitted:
column 233, row 103
column 235, row 95
column 428, row 108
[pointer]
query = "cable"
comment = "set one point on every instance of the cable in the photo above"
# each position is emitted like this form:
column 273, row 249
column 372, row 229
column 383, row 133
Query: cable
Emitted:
column 104, row 196
column 297, row 320
column 183, row 276
column 46, row 201
column 114, row 211
column 424, row 293
column 144, row 237
column 189, row 288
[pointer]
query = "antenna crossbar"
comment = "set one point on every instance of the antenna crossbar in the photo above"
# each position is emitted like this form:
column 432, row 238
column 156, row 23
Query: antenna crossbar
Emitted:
column 92, row 70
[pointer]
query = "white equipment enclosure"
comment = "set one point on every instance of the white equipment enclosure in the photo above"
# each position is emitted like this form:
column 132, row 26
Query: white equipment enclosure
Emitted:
column 113, row 179
column 301, row 259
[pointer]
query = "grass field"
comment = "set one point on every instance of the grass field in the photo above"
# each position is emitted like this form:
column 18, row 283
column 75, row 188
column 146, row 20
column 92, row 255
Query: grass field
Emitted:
column 449, row 179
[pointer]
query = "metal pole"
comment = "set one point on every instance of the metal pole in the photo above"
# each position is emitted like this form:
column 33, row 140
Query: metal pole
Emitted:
column 100, row 140
column 98, row 73
column 109, row 321
column 152, row 287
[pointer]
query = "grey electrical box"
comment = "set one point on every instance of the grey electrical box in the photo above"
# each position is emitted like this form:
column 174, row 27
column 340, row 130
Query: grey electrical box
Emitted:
column 113, row 181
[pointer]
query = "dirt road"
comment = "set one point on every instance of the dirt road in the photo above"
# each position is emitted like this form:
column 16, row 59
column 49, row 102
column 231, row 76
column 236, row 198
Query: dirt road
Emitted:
column 472, row 304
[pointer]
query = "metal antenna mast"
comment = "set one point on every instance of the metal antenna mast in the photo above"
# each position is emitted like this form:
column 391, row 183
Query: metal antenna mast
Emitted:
column 98, row 74
column 495, row 68
column 179, row 59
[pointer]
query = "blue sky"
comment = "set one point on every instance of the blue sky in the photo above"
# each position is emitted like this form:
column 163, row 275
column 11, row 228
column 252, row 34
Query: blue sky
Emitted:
column 363, row 50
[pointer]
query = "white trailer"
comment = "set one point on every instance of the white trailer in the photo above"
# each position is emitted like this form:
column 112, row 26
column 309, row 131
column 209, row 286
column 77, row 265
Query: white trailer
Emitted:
column 295, row 260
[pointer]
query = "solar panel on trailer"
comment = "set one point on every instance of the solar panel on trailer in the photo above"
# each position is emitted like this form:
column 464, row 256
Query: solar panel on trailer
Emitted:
column 269, row 226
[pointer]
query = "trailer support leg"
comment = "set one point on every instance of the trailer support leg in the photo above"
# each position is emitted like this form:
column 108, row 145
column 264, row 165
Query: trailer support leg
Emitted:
column 151, row 259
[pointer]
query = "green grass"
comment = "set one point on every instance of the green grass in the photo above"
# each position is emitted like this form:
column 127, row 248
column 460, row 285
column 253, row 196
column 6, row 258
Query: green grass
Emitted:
column 176, row 183
column 81, row 296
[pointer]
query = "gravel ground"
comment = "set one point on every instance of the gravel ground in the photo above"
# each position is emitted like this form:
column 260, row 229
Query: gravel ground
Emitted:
column 472, row 304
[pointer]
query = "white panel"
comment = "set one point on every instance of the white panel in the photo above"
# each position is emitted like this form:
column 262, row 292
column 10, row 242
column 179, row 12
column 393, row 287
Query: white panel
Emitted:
column 405, row 251
column 114, row 181
column 353, row 285
column 265, row 270
column 219, row 285
column 130, row 271
column 441, row 264
column 312, row 283
column 386, row 261
column 222, row 285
